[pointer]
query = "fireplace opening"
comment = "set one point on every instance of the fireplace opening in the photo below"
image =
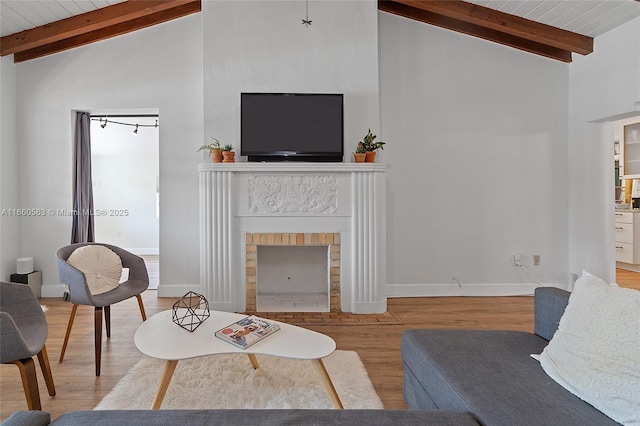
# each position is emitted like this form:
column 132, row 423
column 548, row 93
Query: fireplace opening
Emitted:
column 299, row 271
column 293, row 278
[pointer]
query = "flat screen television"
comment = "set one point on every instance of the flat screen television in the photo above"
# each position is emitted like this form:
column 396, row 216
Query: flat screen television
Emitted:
column 292, row 126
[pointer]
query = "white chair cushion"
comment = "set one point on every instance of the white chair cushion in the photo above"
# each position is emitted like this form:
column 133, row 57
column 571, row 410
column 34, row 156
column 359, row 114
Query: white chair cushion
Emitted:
column 101, row 266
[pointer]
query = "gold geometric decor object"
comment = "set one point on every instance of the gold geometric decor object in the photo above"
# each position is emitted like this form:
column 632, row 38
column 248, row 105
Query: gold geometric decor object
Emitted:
column 190, row 311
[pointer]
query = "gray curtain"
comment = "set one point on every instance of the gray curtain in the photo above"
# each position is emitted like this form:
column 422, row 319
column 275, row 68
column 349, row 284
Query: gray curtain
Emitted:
column 82, row 230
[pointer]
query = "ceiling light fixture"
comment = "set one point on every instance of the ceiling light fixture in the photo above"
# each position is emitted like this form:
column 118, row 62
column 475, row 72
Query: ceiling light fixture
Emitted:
column 306, row 21
column 103, row 120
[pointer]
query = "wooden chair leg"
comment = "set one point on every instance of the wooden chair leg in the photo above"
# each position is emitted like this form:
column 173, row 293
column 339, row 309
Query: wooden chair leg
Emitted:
column 141, row 305
column 98, row 337
column 43, row 359
column 107, row 320
column 29, row 382
column 66, row 336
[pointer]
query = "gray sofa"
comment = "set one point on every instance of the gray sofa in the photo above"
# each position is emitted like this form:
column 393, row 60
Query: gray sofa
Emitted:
column 244, row 417
column 491, row 373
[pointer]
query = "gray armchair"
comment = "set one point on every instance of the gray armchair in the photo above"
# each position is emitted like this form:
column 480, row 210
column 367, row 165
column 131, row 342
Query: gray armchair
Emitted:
column 79, row 293
column 23, row 332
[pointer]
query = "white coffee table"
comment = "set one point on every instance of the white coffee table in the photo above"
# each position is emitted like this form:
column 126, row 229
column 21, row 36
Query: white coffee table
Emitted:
column 159, row 337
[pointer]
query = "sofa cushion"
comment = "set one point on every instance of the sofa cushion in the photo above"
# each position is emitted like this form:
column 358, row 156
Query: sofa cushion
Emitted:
column 595, row 354
column 264, row 418
column 492, row 375
column 28, row 418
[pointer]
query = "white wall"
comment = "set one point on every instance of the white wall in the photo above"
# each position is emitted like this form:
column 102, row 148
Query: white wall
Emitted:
column 158, row 67
column 9, row 199
column 476, row 146
column 603, row 84
column 477, row 134
column 125, row 168
column 262, row 46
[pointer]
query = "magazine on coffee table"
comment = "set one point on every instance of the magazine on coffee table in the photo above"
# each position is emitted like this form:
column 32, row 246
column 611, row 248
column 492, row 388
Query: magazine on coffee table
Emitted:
column 247, row 331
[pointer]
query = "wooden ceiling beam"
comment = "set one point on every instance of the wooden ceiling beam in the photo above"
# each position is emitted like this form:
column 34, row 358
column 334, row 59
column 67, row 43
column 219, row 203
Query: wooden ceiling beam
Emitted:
column 506, row 23
column 100, row 20
column 437, row 19
column 493, row 25
column 109, row 32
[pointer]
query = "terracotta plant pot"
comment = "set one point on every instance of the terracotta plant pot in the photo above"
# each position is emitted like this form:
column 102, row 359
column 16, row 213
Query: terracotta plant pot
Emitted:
column 370, row 157
column 228, row 156
column 216, row 155
column 359, row 157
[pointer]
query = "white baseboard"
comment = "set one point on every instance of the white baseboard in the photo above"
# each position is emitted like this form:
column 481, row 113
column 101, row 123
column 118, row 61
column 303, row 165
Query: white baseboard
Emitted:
column 393, row 290
column 436, row 290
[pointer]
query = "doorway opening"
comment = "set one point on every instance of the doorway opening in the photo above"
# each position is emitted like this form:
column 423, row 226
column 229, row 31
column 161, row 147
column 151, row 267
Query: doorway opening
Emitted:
column 125, row 162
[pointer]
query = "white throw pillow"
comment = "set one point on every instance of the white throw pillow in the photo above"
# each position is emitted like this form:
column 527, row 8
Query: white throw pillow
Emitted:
column 101, row 266
column 595, row 353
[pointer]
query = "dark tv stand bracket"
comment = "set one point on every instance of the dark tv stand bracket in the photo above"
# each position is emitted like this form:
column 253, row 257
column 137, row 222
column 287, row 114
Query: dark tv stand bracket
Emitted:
column 295, row 158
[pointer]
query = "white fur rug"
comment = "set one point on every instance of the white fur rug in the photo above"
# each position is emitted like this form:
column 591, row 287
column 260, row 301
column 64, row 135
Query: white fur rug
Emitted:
column 229, row 381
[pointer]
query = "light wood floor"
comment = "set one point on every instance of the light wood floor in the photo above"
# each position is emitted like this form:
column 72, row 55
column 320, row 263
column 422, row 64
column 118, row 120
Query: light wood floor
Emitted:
column 378, row 345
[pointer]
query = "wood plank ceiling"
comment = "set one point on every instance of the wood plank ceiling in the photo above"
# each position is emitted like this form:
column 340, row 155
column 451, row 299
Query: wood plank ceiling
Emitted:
column 551, row 28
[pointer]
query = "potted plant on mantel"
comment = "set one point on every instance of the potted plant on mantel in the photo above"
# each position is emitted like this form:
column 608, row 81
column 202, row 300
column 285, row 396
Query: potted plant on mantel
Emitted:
column 370, row 146
column 214, row 149
column 360, row 153
column 228, row 154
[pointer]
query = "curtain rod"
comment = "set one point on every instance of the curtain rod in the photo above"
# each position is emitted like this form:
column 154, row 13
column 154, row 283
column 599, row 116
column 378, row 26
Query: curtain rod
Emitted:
column 125, row 116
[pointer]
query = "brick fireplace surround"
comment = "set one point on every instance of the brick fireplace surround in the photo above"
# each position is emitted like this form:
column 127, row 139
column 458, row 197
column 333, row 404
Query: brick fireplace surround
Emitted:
column 339, row 205
column 292, row 239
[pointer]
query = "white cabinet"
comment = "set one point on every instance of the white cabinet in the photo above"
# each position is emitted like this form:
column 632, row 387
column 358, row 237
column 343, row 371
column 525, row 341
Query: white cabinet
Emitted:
column 628, row 131
column 627, row 229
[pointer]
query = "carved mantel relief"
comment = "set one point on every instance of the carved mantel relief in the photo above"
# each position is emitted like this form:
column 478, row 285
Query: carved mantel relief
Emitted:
column 293, row 194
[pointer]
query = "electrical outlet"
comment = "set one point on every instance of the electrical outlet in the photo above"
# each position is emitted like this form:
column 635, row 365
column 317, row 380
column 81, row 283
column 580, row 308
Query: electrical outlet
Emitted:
column 536, row 260
column 118, row 234
column 517, row 260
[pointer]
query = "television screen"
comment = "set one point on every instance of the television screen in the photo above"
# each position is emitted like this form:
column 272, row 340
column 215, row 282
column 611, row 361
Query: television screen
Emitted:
column 291, row 126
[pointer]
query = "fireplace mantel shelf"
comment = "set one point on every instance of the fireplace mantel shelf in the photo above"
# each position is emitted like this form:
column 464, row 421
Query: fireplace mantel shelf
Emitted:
column 292, row 167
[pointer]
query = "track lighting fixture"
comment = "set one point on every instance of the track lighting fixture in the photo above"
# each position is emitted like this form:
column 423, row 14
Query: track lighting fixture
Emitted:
column 103, row 120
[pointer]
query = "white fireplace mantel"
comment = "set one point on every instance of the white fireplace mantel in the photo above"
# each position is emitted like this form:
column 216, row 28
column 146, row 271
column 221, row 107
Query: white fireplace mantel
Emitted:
column 345, row 198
